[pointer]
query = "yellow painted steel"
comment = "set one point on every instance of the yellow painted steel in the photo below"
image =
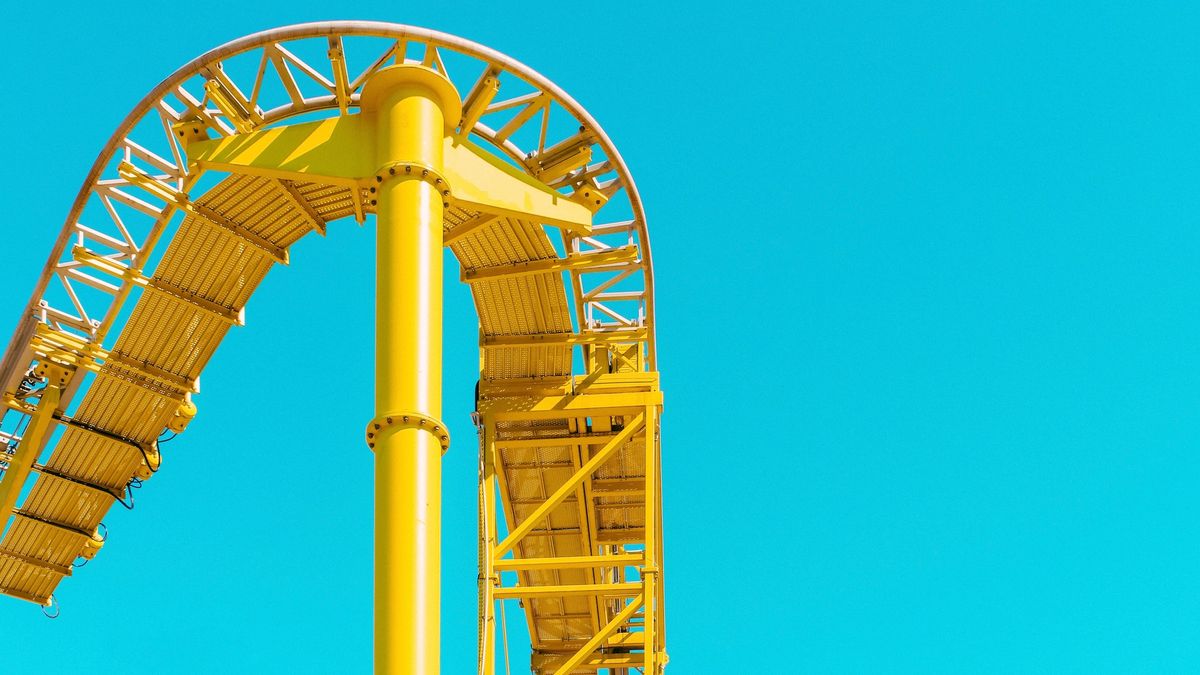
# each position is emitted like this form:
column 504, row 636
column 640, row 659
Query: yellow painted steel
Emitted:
column 36, row 435
column 590, row 583
column 402, row 151
column 570, row 499
column 408, row 106
column 569, row 486
column 340, row 151
column 598, row 639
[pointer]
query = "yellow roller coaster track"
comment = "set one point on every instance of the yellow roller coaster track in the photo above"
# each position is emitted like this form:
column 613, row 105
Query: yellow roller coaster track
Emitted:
column 252, row 146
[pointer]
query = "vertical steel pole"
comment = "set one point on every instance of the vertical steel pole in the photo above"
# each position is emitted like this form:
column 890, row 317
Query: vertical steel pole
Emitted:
column 34, row 440
column 410, row 106
column 650, row 568
column 487, row 574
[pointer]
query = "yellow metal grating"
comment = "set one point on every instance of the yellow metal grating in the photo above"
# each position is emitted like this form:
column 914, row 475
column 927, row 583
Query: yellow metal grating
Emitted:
column 173, row 340
column 126, row 407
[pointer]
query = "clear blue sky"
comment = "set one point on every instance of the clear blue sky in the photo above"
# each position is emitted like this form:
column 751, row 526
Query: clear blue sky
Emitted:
column 928, row 322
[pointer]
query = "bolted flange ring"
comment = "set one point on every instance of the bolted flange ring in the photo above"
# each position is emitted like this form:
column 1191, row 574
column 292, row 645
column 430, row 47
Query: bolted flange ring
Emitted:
column 408, row 420
column 410, row 171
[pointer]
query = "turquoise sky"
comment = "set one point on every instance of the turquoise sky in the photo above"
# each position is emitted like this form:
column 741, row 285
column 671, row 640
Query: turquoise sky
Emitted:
column 927, row 286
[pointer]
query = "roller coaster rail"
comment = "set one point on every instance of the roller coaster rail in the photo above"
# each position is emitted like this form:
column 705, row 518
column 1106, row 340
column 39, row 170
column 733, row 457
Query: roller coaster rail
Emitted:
column 204, row 187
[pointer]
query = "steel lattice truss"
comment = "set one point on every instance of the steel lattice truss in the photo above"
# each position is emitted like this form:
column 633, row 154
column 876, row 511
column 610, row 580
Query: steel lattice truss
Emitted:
column 158, row 259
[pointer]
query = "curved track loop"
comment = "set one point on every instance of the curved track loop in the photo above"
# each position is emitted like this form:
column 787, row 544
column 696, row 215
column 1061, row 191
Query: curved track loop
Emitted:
column 157, row 261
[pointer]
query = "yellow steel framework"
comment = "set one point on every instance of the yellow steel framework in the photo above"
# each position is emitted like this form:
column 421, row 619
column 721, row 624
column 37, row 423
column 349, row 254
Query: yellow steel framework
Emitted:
column 249, row 148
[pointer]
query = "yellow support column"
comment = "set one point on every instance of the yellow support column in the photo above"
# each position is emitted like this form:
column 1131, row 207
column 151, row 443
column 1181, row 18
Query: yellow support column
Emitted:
column 410, row 107
column 488, row 576
column 650, row 567
column 34, row 439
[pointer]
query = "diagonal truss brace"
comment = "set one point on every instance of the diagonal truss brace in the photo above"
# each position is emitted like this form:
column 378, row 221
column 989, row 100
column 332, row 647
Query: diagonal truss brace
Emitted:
column 568, row 488
column 599, row 638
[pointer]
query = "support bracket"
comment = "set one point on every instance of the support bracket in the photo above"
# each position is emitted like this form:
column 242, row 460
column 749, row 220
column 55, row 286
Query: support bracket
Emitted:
column 341, row 151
